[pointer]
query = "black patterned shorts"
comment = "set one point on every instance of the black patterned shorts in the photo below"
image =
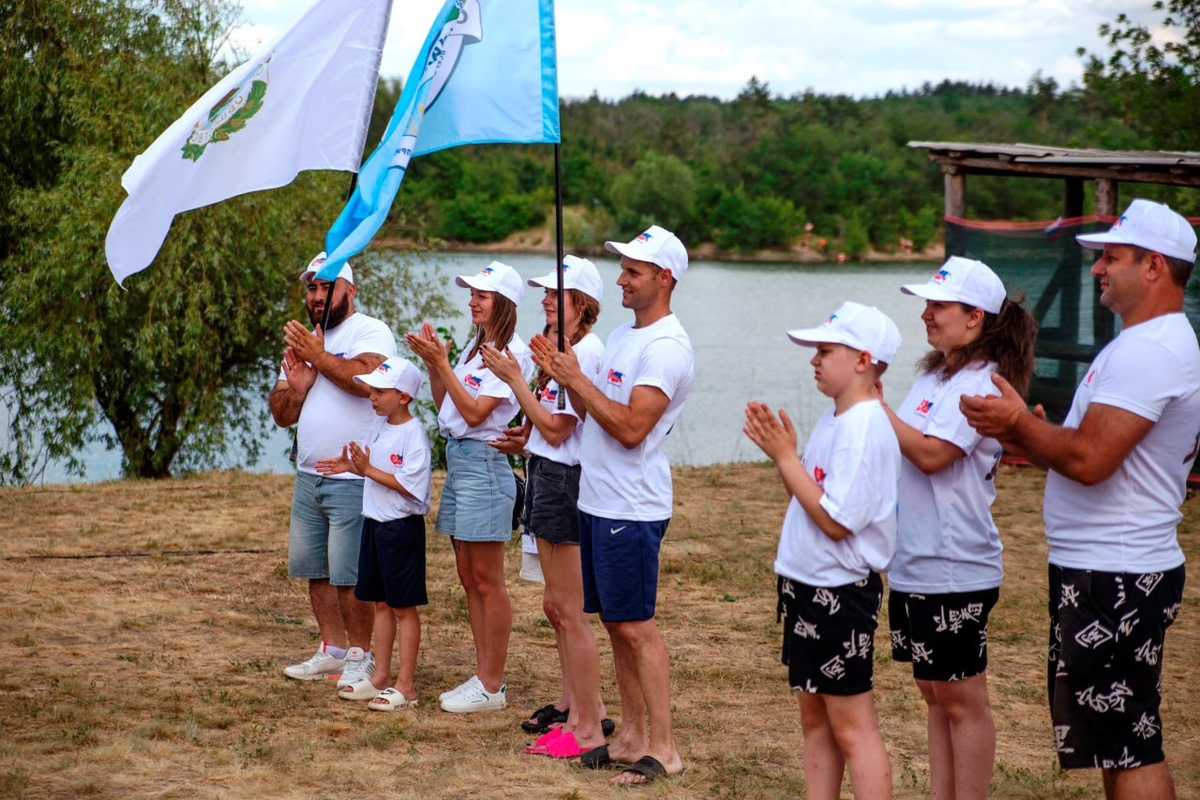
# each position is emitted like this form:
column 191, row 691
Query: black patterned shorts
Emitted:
column 829, row 635
column 1105, row 664
column 944, row 636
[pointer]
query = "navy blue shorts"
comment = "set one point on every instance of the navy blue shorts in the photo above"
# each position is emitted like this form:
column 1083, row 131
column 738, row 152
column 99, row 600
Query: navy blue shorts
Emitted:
column 943, row 636
column 1104, row 668
column 829, row 635
column 551, row 500
column 619, row 558
column 391, row 562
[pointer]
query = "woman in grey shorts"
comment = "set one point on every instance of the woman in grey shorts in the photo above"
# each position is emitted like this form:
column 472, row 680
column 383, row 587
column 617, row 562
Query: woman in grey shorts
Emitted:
column 551, row 437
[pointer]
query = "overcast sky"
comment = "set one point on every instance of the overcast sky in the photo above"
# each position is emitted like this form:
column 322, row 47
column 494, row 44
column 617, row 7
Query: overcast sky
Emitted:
column 713, row 47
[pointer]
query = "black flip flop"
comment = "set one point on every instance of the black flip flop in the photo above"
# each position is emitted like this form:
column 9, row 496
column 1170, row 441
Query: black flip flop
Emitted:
column 607, row 726
column 649, row 767
column 543, row 718
column 597, row 758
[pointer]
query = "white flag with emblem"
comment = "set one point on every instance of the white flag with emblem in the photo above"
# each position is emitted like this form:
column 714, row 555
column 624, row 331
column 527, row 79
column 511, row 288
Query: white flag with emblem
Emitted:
column 303, row 102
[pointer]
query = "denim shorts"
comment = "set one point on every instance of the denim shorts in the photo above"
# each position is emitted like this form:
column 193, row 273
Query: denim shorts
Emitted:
column 551, row 500
column 326, row 529
column 619, row 559
column 479, row 494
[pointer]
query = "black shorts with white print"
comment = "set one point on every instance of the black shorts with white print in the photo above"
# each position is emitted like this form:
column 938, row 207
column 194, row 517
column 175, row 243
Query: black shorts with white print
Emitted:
column 1105, row 664
column 829, row 635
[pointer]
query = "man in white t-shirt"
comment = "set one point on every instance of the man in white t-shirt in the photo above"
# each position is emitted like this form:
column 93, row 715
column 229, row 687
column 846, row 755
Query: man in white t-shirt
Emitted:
column 625, row 492
column 317, row 393
column 1118, row 469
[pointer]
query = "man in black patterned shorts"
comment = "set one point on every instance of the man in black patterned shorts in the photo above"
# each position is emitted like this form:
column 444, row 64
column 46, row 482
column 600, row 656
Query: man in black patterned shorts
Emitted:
column 1118, row 470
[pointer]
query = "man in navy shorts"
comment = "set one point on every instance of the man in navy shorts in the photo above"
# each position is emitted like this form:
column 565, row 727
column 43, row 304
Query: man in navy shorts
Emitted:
column 1118, row 470
column 625, row 492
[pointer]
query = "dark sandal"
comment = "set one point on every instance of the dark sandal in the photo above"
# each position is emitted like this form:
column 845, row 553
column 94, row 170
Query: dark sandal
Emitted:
column 607, row 726
column 541, row 720
column 597, row 758
column 649, row 767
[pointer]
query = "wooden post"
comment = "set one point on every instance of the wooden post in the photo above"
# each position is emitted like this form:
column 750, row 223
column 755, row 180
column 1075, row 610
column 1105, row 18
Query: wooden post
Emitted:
column 956, row 192
column 1106, row 197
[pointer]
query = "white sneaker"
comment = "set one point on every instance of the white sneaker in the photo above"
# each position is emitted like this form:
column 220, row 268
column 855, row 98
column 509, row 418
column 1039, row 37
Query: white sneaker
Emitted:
column 478, row 699
column 360, row 665
column 321, row 664
column 467, row 685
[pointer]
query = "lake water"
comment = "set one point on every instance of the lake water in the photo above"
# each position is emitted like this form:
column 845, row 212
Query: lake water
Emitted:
column 737, row 316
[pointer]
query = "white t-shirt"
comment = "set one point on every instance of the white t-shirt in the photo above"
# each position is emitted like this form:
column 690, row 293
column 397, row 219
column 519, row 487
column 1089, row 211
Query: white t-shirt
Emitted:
column 1127, row 523
column 635, row 483
column 588, row 351
column 480, row 382
column 947, row 540
column 403, row 451
column 855, row 458
column 331, row 417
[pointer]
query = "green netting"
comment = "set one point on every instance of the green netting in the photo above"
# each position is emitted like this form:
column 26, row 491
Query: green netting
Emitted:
column 1043, row 260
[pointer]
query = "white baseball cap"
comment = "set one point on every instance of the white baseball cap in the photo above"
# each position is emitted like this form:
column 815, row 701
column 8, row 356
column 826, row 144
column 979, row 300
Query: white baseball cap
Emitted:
column 578, row 273
column 963, row 280
column 318, row 261
column 657, row 246
column 859, row 327
column 1151, row 226
column 395, row 373
column 495, row 277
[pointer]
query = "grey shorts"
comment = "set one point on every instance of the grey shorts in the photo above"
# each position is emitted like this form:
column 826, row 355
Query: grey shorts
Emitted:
column 551, row 500
column 480, row 492
column 326, row 529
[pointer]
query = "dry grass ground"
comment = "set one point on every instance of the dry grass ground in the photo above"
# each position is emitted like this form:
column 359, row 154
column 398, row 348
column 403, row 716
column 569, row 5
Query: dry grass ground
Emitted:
column 145, row 624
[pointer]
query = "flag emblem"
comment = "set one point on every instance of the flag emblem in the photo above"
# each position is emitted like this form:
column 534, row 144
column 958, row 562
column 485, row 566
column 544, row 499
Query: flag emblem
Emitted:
column 924, row 407
column 1090, row 375
column 819, row 476
column 384, row 368
column 615, row 377
column 940, row 276
column 486, row 271
column 549, row 394
column 473, row 381
column 397, row 459
column 229, row 115
column 644, row 236
column 829, row 321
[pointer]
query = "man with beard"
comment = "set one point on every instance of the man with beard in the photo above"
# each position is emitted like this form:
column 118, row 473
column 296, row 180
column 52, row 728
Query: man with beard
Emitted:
column 317, row 393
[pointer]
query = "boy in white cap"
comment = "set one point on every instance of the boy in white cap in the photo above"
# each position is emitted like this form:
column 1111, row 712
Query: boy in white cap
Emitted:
column 838, row 535
column 1118, row 470
column 625, row 496
column 395, row 462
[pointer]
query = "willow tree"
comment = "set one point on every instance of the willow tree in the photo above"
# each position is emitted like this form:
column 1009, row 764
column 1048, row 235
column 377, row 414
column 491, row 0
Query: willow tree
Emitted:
column 171, row 369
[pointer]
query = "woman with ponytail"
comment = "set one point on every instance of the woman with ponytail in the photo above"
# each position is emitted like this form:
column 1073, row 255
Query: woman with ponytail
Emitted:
column 946, row 575
column 551, row 438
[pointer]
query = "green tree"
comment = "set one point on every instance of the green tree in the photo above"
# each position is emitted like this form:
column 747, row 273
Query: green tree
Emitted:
column 172, row 368
column 657, row 190
column 1152, row 85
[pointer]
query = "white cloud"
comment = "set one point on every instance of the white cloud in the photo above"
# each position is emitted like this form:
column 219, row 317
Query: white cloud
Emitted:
column 713, row 47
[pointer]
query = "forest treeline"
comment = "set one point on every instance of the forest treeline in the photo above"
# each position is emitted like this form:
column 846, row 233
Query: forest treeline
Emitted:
column 754, row 172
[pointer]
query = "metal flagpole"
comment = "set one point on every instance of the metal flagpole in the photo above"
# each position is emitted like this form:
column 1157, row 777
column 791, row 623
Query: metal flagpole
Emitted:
column 558, row 242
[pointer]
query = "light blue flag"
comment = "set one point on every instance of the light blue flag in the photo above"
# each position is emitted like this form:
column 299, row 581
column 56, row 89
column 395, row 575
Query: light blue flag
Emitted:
column 487, row 73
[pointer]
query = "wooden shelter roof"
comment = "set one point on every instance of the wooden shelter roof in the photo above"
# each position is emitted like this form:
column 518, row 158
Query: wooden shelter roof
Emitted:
column 1041, row 161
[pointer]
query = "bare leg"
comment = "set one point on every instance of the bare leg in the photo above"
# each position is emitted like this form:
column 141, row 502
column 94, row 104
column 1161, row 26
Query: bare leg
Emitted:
column 408, row 631
column 578, row 655
column 385, row 636
column 1151, row 782
column 823, row 761
column 324, row 598
column 650, row 682
column 972, row 734
column 481, row 571
column 856, row 729
column 357, row 616
column 941, row 751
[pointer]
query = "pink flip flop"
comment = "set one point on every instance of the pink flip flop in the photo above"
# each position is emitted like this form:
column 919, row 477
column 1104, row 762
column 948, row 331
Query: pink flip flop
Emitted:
column 541, row 746
column 565, row 746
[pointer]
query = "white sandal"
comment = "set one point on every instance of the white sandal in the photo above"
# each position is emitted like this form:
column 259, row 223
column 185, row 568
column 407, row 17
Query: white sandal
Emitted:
column 359, row 690
column 391, row 699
